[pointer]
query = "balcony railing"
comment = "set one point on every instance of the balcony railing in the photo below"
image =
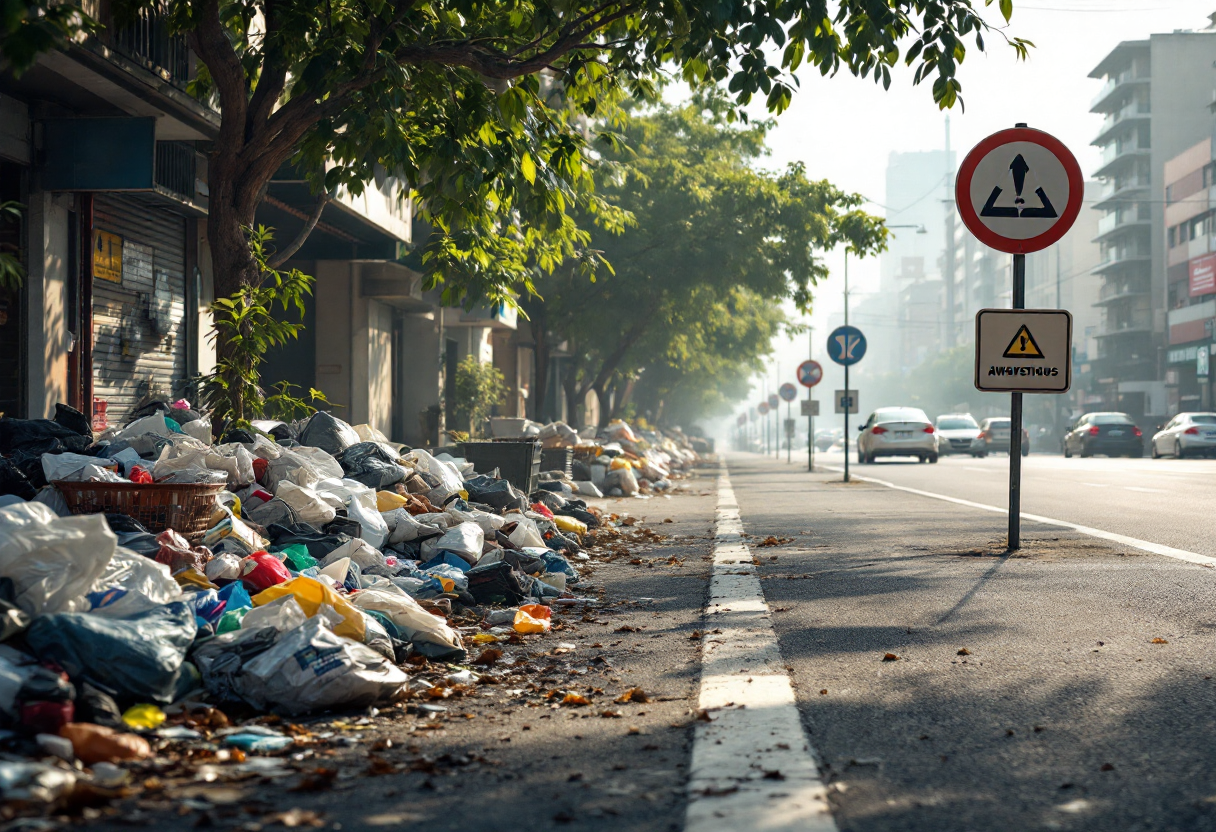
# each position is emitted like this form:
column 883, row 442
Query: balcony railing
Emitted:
column 1136, row 321
column 1132, row 74
column 1131, row 110
column 1112, row 291
column 147, row 41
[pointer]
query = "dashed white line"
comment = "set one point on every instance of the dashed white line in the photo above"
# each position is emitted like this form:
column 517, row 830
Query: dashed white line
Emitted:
column 1144, row 490
column 1096, row 484
column 752, row 765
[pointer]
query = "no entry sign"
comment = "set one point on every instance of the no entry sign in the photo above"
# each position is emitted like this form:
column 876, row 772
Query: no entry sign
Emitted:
column 810, row 373
column 1019, row 190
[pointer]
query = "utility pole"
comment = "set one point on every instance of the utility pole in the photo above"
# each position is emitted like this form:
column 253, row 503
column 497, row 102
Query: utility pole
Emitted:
column 810, row 419
column 846, row 366
column 948, row 270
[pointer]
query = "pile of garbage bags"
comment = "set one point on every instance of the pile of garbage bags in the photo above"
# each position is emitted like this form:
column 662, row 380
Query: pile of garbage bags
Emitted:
column 331, row 558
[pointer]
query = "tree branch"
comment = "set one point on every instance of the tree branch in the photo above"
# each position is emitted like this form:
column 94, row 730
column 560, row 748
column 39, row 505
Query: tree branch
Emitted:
column 273, row 77
column 210, row 42
column 283, row 256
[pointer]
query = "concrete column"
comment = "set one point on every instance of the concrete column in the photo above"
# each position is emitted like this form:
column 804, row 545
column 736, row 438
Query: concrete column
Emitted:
column 47, row 336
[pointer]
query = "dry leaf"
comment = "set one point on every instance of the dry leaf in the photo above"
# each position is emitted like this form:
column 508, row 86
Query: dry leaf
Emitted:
column 696, row 634
column 1159, row 641
column 316, row 780
column 378, row 765
column 488, row 656
column 774, row 541
column 964, row 651
column 823, row 692
column 294, row 818
column 632, row 695
column 611, row 714
column 575, row 699
column 890, row 657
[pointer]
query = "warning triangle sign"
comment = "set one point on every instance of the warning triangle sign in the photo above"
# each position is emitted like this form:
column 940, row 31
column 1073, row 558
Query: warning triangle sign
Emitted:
column 1023, row 345
column 1018, row 207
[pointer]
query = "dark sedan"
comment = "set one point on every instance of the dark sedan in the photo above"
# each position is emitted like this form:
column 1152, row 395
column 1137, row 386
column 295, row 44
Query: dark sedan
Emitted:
column 1112, row 434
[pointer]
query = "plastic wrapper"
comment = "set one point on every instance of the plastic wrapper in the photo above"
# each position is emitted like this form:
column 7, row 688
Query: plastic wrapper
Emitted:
column 465, row 540
column 225, row 567
column 404, row 527
column 261, row 571
column 282, row 614
column 177, row 554
column 53, row 561
column 13, row 481
column 360, row 504
column 311, row 595
column 139, row 657
column 130, row 584
column 415, row 624
column 623, row 480
column 78, row 468
column 532, row 618
column 371, row 464
column 312, row 668
column 306, row 503
column 450, row 482
column 525, row 533
column 199, row 429
column 358, row 552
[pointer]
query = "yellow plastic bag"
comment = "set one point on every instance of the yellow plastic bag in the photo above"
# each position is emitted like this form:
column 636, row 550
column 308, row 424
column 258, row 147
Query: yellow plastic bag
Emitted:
column 311, row 594
column 570, row 524
column 619, row 462
column 389, row 500
column 533, row 618
column 143, row 716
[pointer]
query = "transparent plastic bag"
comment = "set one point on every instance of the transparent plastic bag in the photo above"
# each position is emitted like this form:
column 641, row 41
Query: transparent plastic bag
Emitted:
column 53, row 561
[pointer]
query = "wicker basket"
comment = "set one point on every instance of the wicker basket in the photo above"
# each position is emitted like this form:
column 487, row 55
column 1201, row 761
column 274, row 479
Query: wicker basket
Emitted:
column 184, row 507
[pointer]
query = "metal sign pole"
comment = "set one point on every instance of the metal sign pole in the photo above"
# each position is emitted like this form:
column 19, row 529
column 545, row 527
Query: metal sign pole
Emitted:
column 789, row 437
column 1015, row 422
column 847, row 408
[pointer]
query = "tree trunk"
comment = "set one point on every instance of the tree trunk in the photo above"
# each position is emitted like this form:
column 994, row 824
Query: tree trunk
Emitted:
column 574, row 401
column 604, row 397
column 540, row 363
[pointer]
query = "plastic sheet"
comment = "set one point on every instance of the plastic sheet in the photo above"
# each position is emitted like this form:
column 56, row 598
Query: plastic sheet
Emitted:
column 416, row 624
column 130, row 584
column 53, row 561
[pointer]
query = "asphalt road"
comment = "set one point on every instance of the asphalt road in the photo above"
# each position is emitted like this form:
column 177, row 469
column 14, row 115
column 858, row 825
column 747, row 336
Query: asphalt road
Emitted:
column 1069, row 687
column 1161, row 500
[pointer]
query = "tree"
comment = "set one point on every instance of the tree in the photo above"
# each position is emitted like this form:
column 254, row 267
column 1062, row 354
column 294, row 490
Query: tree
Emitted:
column 447, row 96
column 479, row 387
column 705, row 223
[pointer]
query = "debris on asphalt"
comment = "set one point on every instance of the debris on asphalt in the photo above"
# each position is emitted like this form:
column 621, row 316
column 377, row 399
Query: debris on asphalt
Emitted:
column 177, row 611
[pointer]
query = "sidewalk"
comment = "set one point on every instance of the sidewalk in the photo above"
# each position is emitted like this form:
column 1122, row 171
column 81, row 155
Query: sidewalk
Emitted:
column 1027, row 692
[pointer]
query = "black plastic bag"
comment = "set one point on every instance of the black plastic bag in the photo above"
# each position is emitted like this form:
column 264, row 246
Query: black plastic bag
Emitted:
column 98, row 707
column 328, row 433
column 498, row 583
column 124, row 524
column 12, row 481
column 585, row 516
column 370, row 464
column 283, row 431
column 183, row 416
column 497, row 493
column 24, row 434
column 73, row 420
column 319, row 543
column 139, row 658
column 237, row 435
column 148, row 409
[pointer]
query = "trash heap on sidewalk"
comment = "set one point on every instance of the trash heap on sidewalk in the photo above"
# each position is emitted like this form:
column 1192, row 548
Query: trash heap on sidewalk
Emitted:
column 161, row 593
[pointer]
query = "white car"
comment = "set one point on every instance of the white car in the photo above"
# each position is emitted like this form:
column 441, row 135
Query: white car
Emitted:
column 897, row 431
column 1187, row 434
column 955, row 434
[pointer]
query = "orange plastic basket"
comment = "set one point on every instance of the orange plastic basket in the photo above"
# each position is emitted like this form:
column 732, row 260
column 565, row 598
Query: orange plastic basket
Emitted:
column 184, row 507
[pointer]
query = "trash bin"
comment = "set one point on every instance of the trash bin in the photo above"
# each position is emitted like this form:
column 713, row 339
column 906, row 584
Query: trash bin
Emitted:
column 517, row 461
column 557, row 459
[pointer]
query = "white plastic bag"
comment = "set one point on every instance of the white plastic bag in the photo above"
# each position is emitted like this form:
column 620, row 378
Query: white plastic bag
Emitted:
column 52, row 560
column 415, row 623
column 586, row 488
column 449, row 479
column 360, row 504
column 199, row 429
column 310, row 668
column 359, row 553
column 154, row 424
column 233, row 459
column 525, row 533
column 75, row 467
column 282, row 613
column 306, row 502
column 225, row 567
column 130, row 584
column 465, row 539
column 404, row 527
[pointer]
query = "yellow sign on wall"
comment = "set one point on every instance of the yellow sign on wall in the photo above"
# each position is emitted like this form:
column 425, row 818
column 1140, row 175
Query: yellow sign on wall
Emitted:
column 107, row 256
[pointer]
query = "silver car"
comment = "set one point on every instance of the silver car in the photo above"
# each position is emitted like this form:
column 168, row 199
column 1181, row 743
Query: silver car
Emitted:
column 955, row 434
column 1187, row 434
column 897, row 431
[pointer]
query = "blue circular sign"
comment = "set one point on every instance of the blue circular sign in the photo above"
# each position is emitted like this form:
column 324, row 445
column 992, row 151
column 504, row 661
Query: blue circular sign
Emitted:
column 846, row 345
column 788, row 392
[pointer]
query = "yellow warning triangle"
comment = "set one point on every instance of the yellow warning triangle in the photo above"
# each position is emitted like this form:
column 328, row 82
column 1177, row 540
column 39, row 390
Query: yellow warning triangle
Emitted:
column 1023, row 345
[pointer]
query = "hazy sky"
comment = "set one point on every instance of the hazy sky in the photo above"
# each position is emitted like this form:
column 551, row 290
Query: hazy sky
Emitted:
column 843, row 128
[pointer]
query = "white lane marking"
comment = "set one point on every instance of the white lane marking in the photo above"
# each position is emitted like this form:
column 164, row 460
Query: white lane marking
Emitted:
column 1096, row 484
column 1144, row 490
column 1131, row 542
column 754, row 725
column 981, row 470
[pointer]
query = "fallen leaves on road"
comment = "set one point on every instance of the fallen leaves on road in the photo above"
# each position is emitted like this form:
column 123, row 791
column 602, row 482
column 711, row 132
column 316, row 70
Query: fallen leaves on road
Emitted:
column 575, row 699
column 823, row 692
column 890, row 657
column 316, row 780
column 774, row 541
column 1158, row 641
column 696, row 634
column 611, row 714
column 294, row 818
column 632, row 695
column 963, row 651
column 488, row 656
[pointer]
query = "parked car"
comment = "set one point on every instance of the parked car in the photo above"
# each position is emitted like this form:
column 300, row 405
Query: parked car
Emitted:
column 956, row 432
column 1187, row 434
column 825, row 439
column 897, row 431
column 994, row 436
column 1112, row 434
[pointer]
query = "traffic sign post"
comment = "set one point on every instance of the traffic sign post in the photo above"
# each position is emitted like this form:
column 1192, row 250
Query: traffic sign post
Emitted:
column 788, row 392
column 1019, row 191
column 847, row 401
column 810, row 373
column 846, row 346
column 774, row 407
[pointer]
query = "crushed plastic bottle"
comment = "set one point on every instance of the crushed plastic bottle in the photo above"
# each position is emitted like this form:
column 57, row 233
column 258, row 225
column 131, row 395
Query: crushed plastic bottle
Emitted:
column 143, row 717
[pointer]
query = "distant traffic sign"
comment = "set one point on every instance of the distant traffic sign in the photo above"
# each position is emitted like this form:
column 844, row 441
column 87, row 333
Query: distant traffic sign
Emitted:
column 1023, row 350
column 762, row 408
column 1019, row 190
column 773, row 401
column 810, row 373
column 790, row 427
column 788, row 392
column 846, row 345
column 810, row 407
column 846, row 401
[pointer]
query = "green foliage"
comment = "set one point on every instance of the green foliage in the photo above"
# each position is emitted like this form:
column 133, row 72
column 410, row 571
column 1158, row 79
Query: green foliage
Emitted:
column 485, row 110
column 246, row 327
column 12, row 272
column 29, row 28
column 479, row 387
column 714, row 245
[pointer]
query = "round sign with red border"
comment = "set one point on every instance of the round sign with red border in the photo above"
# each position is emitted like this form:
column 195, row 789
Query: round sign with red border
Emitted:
column 773, row 401
column 1019, row 190
column 762, row 408
column 810, row 373
column 788, row 392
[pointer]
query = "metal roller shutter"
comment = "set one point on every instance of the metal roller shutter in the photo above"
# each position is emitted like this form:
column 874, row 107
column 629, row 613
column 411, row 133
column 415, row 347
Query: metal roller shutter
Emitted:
column 139, row 329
